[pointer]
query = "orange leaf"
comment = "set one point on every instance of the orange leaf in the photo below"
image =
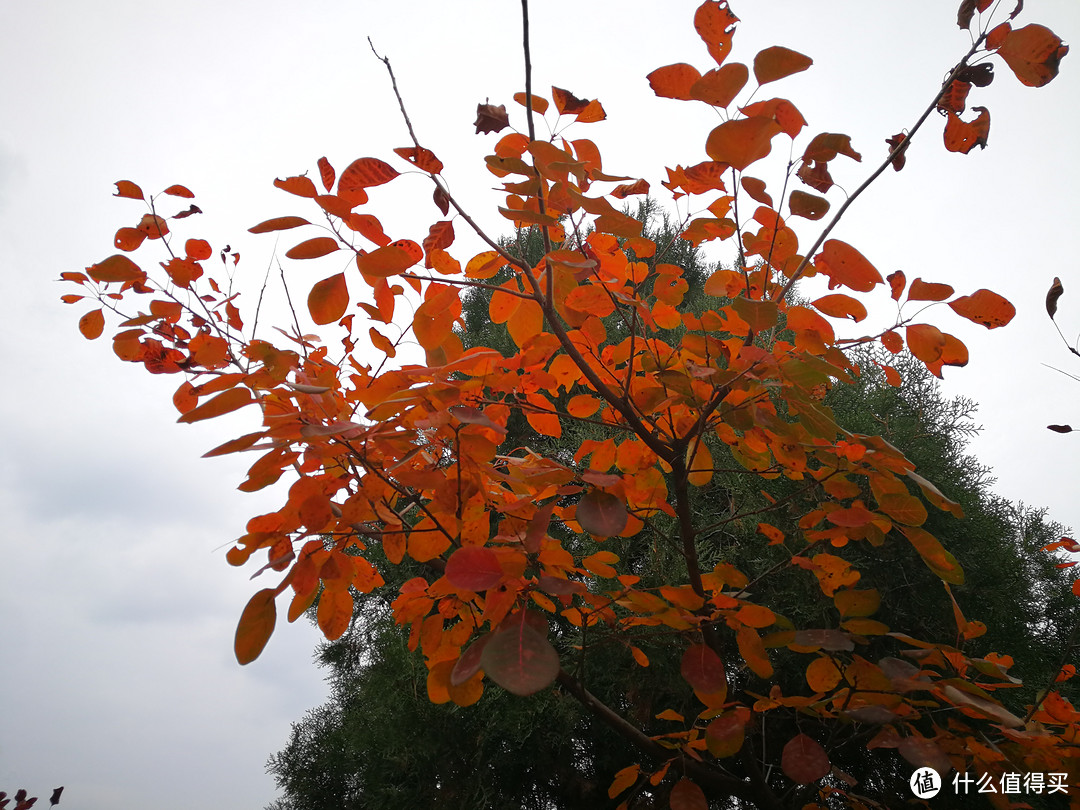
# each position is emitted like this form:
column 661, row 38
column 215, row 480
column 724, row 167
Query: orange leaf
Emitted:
column 390, row 260
column 937, row 559
column 539, row 104
column 300, row 186
column 256, row 626
column 741, row 142
column 313, row 248
column 116, row 268
column 806, row 205
column 92, row 324
column 335, row 612
column 594, row 299
column 844, row 265
column 897, row 281
column 328, row 299
column 128, row 239
column 984, row 307
column 484, row 265
column 838, row 305
column 777, row 62
column 822, row 674
column 926, row 291
column 179, row 191
column 715, row 25
column 225, row 402
column 278, row 224
column 423, row 159
column 153, row 226
column 926, row 342
column 364, row 173
column 902, row 507
column 857, row 602
column 1033, row 52
column 623, row 779
column 720, row 86
column 780, row 110
column 674, row 81
column 963, row 136
column 804, row 760
column 125, row 188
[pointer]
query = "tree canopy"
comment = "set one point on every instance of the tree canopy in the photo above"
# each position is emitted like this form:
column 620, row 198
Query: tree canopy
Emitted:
column 716, row 527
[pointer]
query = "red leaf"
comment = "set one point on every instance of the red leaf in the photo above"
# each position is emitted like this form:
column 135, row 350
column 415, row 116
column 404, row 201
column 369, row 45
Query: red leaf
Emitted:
column 601, row 513
column 924, row 753
column 984, row 307
column 469, row 662
column 474, row 568
column 326, row 173
column 703, row 669
column 198, row 249
column 92, row 324
column 963, row 136
column 1033, row 52
column 256, row 626
column 328, row 299
column 128, row 239
column 685, row 795
column 179, row 191
column 519, row 658
column 278, row 224
column 300, row 186
column 804, row 760
column 313, row 248
column 440, row 236
column 897, row 281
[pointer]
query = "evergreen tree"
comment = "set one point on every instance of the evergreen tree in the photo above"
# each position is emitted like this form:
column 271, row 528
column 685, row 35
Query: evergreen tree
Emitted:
column 380, row 743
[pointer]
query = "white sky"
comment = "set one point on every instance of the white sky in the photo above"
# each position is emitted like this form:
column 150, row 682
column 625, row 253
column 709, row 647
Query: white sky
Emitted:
column 117, row 608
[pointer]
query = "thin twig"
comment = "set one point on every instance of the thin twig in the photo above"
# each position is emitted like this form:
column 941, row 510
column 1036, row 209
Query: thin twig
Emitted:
column 893, row 155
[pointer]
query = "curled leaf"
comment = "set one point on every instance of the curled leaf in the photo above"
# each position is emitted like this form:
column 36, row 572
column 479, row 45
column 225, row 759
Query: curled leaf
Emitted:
column 1052, row 295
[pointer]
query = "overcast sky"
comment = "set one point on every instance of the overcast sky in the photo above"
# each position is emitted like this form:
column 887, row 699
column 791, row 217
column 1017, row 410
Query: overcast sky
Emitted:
column 117, row 608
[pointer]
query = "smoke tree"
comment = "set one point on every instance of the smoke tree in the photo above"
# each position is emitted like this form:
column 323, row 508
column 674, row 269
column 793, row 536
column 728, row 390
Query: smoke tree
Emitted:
column 523, row 562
